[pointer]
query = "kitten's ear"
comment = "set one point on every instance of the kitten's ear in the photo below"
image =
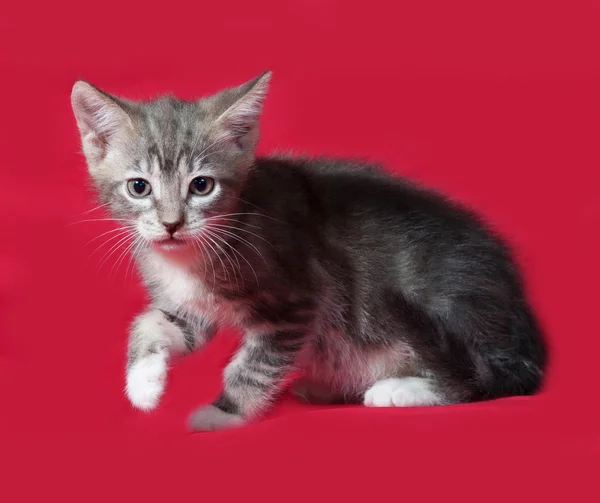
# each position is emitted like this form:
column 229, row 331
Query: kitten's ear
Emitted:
column 240, row 121
column 100, row 120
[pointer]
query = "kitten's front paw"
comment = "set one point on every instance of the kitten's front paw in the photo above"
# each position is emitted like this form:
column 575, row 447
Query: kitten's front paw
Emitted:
column 146, row 381
column 211, row 418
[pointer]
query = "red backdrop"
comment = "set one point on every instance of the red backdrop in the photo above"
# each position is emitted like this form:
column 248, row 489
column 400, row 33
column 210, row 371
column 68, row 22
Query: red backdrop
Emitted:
column 497, row 103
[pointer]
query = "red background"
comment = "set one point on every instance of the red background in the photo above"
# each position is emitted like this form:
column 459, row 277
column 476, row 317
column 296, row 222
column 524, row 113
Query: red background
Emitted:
column 497, row 103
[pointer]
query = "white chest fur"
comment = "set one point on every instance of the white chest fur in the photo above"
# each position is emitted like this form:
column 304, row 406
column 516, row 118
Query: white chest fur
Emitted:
column 183, row 290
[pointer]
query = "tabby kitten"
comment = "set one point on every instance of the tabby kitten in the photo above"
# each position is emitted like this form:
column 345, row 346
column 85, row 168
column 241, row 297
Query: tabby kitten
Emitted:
column 379, row 291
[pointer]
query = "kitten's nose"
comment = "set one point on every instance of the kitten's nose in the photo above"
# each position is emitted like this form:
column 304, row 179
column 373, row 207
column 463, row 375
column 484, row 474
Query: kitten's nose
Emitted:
column 172, row 227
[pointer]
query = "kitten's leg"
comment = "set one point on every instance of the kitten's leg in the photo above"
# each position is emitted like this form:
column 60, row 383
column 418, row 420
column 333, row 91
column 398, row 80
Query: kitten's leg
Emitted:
column 155, row 336
column 252, row 380
column 310, row 392
column 404, row 392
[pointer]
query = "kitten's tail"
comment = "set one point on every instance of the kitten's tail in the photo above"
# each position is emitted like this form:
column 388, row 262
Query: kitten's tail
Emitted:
column 520, row 370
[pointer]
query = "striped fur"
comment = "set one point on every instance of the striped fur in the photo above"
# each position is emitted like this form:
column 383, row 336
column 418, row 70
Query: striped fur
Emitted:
column 379, row 291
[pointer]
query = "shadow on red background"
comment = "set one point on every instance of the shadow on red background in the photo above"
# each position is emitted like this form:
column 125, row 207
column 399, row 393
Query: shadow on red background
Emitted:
column 495, row 103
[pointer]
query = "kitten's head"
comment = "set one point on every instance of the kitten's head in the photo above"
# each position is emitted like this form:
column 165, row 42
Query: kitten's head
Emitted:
column 166, row 167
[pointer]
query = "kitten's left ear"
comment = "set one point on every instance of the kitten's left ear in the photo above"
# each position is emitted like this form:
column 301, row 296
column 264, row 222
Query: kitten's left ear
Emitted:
column 240, row 121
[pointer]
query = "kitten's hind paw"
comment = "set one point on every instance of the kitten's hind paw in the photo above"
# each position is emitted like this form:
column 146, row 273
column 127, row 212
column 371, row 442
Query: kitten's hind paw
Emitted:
column 211, row 418
column 146, row 381
column 402, row 392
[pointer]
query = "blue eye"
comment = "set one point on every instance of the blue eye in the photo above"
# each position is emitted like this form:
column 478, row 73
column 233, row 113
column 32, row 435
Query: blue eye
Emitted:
column 202, row 185
column 138, row 187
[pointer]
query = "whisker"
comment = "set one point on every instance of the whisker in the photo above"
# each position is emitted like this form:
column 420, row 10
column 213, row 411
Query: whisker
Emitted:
column 119, row 240
column 240, row 239
column 229, row 260
column 236, row 221
column 113, row 250
column 237, row 261
column 244, row 230
column 245, row 213
column 236, row 251
column 205, row 255
column 210, row 240
column 93, row 209
column 121, row 256
column 99, row 220
column 224, row 252
column 248, row 202
column 105, row 233
column 257, row 207
column 139, row 249
column 218, row 256
column 212, row 265
column 111, row 238
column 131, row 260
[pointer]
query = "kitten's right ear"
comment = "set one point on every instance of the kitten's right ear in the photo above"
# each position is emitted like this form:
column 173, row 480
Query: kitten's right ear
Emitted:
column 100, row 120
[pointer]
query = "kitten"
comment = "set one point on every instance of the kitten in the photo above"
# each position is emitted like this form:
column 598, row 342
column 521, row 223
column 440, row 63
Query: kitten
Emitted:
column 379, row 291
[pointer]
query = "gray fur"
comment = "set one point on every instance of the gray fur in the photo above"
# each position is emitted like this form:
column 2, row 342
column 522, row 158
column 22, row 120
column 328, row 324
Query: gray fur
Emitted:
column 329, row 266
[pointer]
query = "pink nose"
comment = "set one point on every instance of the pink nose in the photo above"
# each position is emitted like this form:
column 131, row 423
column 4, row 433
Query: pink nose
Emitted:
column 172, row 227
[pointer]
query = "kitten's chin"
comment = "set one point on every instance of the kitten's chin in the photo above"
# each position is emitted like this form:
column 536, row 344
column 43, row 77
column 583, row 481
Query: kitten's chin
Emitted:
column 172, row 246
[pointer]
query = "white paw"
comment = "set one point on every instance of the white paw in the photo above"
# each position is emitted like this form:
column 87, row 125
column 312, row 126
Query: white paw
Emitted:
column 401, row 392
column 146, row 381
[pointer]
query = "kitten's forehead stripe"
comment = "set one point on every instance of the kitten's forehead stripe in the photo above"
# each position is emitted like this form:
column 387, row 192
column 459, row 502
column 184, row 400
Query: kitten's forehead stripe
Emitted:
column 153, row 152
column 140, row 166
column 173, row 131
column 168, row 165
column 183, row 157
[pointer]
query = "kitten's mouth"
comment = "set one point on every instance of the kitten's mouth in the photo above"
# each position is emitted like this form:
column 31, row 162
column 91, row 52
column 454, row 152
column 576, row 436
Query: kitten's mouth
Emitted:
column 169, row 244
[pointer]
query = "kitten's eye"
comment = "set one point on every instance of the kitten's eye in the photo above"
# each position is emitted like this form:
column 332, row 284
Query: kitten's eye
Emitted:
column 202, row 186
column 138, row 187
